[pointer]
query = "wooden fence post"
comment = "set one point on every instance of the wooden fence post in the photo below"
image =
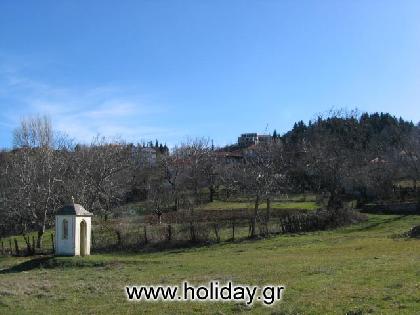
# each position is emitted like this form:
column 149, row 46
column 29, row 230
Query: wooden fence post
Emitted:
column 216, row 232
column 233, row 230
column 281, row 230
column 2, row 247
column 16, row 247
column 10, row 247
column 93, row 238
column 33, row 244
column 52, row 243
column 193, row 237
column 145, row 235
column 169, row 235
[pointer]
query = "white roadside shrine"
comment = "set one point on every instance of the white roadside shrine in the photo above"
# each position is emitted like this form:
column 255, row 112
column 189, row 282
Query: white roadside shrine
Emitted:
column 72, row 231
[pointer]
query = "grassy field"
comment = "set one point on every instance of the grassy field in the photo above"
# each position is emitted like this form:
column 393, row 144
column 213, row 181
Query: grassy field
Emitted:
column 405, row 183
column 303, row 201
column 223, row 205
column 363, row 269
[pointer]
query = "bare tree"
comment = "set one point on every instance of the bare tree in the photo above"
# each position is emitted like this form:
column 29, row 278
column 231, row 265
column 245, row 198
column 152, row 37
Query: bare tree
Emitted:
column 34, row 132
column 34, row 180
column 34, row 173
column 172, row 168
column 261, row 175
column 100, row 174
column 195, row 157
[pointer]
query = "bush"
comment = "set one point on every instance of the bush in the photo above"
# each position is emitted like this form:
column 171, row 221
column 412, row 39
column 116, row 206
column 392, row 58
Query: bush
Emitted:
column 319, row 220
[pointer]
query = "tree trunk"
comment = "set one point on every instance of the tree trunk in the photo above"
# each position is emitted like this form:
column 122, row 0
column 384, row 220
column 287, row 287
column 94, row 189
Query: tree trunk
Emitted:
column 28, row 243
column 176, row 203
column 254, row 219
column 41, row 231
column 145, row 235
column 196, row 194
column 53, row 244
column 169, row 233
column 119, row 238
column 193, row 237
column 334, row 202
column 233, row 230
column 39, row 240
column 268, row 209
column 417, row 194
column 363, row 197
column 212, row 191
column 16, row 247
column 216, row 228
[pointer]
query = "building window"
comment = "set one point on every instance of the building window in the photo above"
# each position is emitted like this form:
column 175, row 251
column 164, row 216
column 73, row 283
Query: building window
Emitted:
column 65, row 229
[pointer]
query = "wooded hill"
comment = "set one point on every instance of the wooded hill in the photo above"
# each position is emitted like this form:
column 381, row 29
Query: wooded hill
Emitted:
column 343, row 155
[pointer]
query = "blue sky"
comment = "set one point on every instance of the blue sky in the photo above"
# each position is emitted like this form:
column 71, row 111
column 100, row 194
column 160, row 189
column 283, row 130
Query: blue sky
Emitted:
column 174, row 69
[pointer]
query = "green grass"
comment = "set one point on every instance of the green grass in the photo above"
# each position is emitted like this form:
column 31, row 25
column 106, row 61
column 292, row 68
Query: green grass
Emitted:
column 286, row 197
column 293, row 201
column 365, row 268
column 47, row 242
column 405, row 183
column 226, row 205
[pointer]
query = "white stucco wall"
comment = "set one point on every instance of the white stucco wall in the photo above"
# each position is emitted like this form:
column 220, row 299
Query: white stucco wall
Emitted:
column 71, row 245
column 64, row 247
column 88, row 236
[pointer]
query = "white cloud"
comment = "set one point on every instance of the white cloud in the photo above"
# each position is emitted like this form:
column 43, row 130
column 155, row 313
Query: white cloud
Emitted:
column 84, row 113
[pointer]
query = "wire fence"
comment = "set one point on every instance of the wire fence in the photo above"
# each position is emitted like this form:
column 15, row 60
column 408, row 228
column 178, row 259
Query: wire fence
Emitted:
column 187, row 228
